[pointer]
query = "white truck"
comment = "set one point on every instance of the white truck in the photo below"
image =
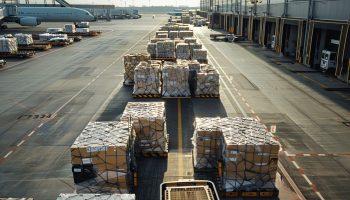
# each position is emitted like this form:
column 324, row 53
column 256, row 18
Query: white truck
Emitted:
column 328, row 60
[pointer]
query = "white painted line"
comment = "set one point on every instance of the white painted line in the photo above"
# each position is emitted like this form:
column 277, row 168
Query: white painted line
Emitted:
column 265, row 126
column 257, row 117
column 247, row 105
column 307, row 179
column 19, row 144
column 289, row 155
column 31, row 133
column 239, row 94
column 306, row 154
column 252, row 111
column 236, row 89
column 319, row 195
column 321, row 154
column 103, row 71
column 9, row 153
column 243, row 99
column 40, row 125
column 295, row 164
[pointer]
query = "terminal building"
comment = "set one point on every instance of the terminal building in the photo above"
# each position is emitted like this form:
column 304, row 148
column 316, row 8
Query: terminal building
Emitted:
column 312, row 32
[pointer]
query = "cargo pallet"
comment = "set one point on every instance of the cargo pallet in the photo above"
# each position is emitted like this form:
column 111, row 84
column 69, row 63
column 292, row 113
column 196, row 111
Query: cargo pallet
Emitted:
column 155, row 154
column 19, row 54
column 176, row 97
column 35, row 47
column 146, row 95
column 88, row 34
column 164, row 59
column 208, row 96
column 202, row 61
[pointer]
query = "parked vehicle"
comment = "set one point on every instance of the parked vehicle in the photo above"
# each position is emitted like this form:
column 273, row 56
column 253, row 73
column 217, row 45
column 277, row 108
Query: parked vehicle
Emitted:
column 328, row 59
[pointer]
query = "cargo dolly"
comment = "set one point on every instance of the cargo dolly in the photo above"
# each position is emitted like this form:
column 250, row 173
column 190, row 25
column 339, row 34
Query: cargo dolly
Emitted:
column 38, row 46
column 226, row 37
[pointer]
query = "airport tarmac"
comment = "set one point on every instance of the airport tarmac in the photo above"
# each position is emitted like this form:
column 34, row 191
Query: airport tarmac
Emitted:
column 71, row 86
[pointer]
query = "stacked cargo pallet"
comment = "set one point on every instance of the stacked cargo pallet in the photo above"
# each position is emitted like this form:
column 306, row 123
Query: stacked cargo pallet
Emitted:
column 166, row 49
column 130, row 63
column 175, row 80
column 249, row 157
column 207, row 82
column 149, row 127
column 8, row 45
column 102, row 158
column 24, row 39
column 147, row 79
column 183, row 51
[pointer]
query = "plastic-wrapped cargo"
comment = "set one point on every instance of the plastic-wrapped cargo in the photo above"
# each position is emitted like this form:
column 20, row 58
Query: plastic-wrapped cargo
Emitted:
column 155, row 40
column 164, row 35
column 54, row 30
column 24, row 39
column 249, row 152
column 183, row 51
column 82, row 30
column 173, row 34
column 152, row 49
column 69, row 28
column 175, row 80
column 184, row 34
column 147, row 79
column 190, row 40
column 208, row 81
column 250, row 157
column 194, row 65
column 48, row 36
column 200, row 55
column 96, row 196
column 161, row 32
column 8, row 45
column 166, row 49
column 101, row 158
column 184, row 28
column 207, row 143
column 149, row 126
column 130, row 62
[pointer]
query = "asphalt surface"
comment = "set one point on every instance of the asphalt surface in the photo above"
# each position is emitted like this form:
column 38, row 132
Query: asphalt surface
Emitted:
column 68, row 87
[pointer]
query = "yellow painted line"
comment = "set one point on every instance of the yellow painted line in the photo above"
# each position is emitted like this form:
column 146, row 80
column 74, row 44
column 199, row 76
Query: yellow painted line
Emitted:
column 317, row 82
column 179, row 138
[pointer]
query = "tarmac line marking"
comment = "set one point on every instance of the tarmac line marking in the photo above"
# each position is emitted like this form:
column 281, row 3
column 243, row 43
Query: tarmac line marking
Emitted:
column 247, row 105
column 306, row 154
column 243, row 99
column 322, row 154
column 239, row 94
column 295, row 164
column 252, row 111
column 319, row 195
column 257, row 117
column 307, row 179
column 289, row 155
column 31, row 133
column 19, row 144
column 103, row 71
column 7, row 155
column 40, row 125
column 179, row 137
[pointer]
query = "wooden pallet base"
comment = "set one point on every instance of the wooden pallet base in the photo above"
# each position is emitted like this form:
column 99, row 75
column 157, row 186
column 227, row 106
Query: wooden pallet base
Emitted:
column 146, row 96
column 208, row 96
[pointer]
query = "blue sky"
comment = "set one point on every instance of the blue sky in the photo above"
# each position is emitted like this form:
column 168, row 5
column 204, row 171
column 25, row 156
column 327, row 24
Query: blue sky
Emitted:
column 129, row 2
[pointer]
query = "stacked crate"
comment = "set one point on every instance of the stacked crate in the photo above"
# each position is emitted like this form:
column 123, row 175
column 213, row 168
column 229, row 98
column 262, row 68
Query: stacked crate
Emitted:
column 24, row 39
column 183, row 51
column 249, row 153
column 207, row 143
column 102, row 158
column 207, row 81
column 166, row 49
column 147, row 79
column 149, row 127
column 250, row 157
column 175, row 80
column 200, row 54
column 8, row 45
column 130, row 63
column 69, row 28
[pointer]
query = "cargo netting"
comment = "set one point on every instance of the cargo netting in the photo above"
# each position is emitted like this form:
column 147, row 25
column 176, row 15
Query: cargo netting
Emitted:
column 96, row 197
column 147, row 78
column 249, row 153
column 102, row 158
column 175, row 80
column 148, row 126
column 130, row 63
